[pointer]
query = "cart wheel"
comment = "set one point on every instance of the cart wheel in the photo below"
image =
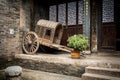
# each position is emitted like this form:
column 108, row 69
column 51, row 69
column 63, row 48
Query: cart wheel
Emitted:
column 30, row 43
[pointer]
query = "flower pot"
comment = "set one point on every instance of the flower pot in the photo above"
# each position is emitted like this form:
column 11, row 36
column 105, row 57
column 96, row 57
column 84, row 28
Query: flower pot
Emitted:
column 75, row 54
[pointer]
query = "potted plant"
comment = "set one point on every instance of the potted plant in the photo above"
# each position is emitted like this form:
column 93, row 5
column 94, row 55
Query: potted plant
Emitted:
column 78, row 43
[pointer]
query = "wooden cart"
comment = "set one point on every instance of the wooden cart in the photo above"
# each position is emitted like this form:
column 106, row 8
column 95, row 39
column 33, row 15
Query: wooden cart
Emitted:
column 47, row 33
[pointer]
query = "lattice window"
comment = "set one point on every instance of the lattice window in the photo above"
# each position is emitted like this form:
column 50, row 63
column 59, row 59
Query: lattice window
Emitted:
column 80, row 12
column 52, row 13
column 108, row 11
column 62, row 13
column 72, row 13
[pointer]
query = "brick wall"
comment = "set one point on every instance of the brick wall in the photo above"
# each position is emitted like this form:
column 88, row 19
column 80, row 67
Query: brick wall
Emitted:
column 16, row 18
column 9, row 27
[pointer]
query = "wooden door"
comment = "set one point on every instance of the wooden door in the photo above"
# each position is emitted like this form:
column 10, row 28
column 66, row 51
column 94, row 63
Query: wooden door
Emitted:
column 108, row 37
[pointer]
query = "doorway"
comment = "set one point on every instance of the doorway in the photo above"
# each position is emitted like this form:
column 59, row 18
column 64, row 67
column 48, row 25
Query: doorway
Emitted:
column 108, row 28
column 104, row 33
column 117, row 22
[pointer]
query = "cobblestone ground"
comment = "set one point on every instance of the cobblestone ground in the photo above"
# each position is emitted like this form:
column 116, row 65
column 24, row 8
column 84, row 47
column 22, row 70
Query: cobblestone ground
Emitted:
column 39, row 75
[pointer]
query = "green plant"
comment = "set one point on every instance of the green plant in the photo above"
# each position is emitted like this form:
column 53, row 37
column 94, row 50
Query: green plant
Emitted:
column 78, row 42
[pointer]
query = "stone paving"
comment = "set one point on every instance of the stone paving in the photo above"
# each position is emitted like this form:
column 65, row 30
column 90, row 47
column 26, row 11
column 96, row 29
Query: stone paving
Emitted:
column 28, row 74
column 39, row 75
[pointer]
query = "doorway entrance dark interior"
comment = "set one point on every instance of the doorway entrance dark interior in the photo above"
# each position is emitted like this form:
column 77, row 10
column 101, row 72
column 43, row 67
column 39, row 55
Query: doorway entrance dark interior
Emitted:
column 117, row 20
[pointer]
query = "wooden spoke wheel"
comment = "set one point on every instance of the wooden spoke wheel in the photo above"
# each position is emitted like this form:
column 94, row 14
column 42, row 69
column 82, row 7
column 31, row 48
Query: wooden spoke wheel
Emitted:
column 30, row 43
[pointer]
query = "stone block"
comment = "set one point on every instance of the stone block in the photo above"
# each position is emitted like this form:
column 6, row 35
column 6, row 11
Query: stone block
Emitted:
column 12, row 71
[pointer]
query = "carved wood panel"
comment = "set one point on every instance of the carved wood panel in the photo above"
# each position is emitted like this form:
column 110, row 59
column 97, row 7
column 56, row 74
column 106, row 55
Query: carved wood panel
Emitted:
column 108, row 36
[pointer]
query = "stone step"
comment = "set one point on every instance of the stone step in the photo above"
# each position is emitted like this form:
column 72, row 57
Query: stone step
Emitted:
column 48, row 63
column 62, row 63
column 40, row 75
column 89, row 76
column 28, row 74
column 103, row 71
column 108, row 64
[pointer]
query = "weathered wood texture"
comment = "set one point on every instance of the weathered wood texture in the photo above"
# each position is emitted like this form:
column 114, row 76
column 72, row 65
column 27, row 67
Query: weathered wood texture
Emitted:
column 69, row 31
column 108, row 37
column 47, row 33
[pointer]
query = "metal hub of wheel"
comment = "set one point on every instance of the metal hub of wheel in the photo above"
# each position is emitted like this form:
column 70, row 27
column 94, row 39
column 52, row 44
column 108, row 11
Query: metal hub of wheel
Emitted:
column 30, row 43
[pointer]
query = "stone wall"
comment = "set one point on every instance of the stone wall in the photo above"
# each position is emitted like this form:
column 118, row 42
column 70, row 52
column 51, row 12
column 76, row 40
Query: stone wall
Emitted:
column 9, row 27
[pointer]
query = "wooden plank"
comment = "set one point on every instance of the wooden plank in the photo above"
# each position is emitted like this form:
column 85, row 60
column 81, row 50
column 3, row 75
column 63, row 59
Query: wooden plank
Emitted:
column 64, row 48
column 58, row 47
